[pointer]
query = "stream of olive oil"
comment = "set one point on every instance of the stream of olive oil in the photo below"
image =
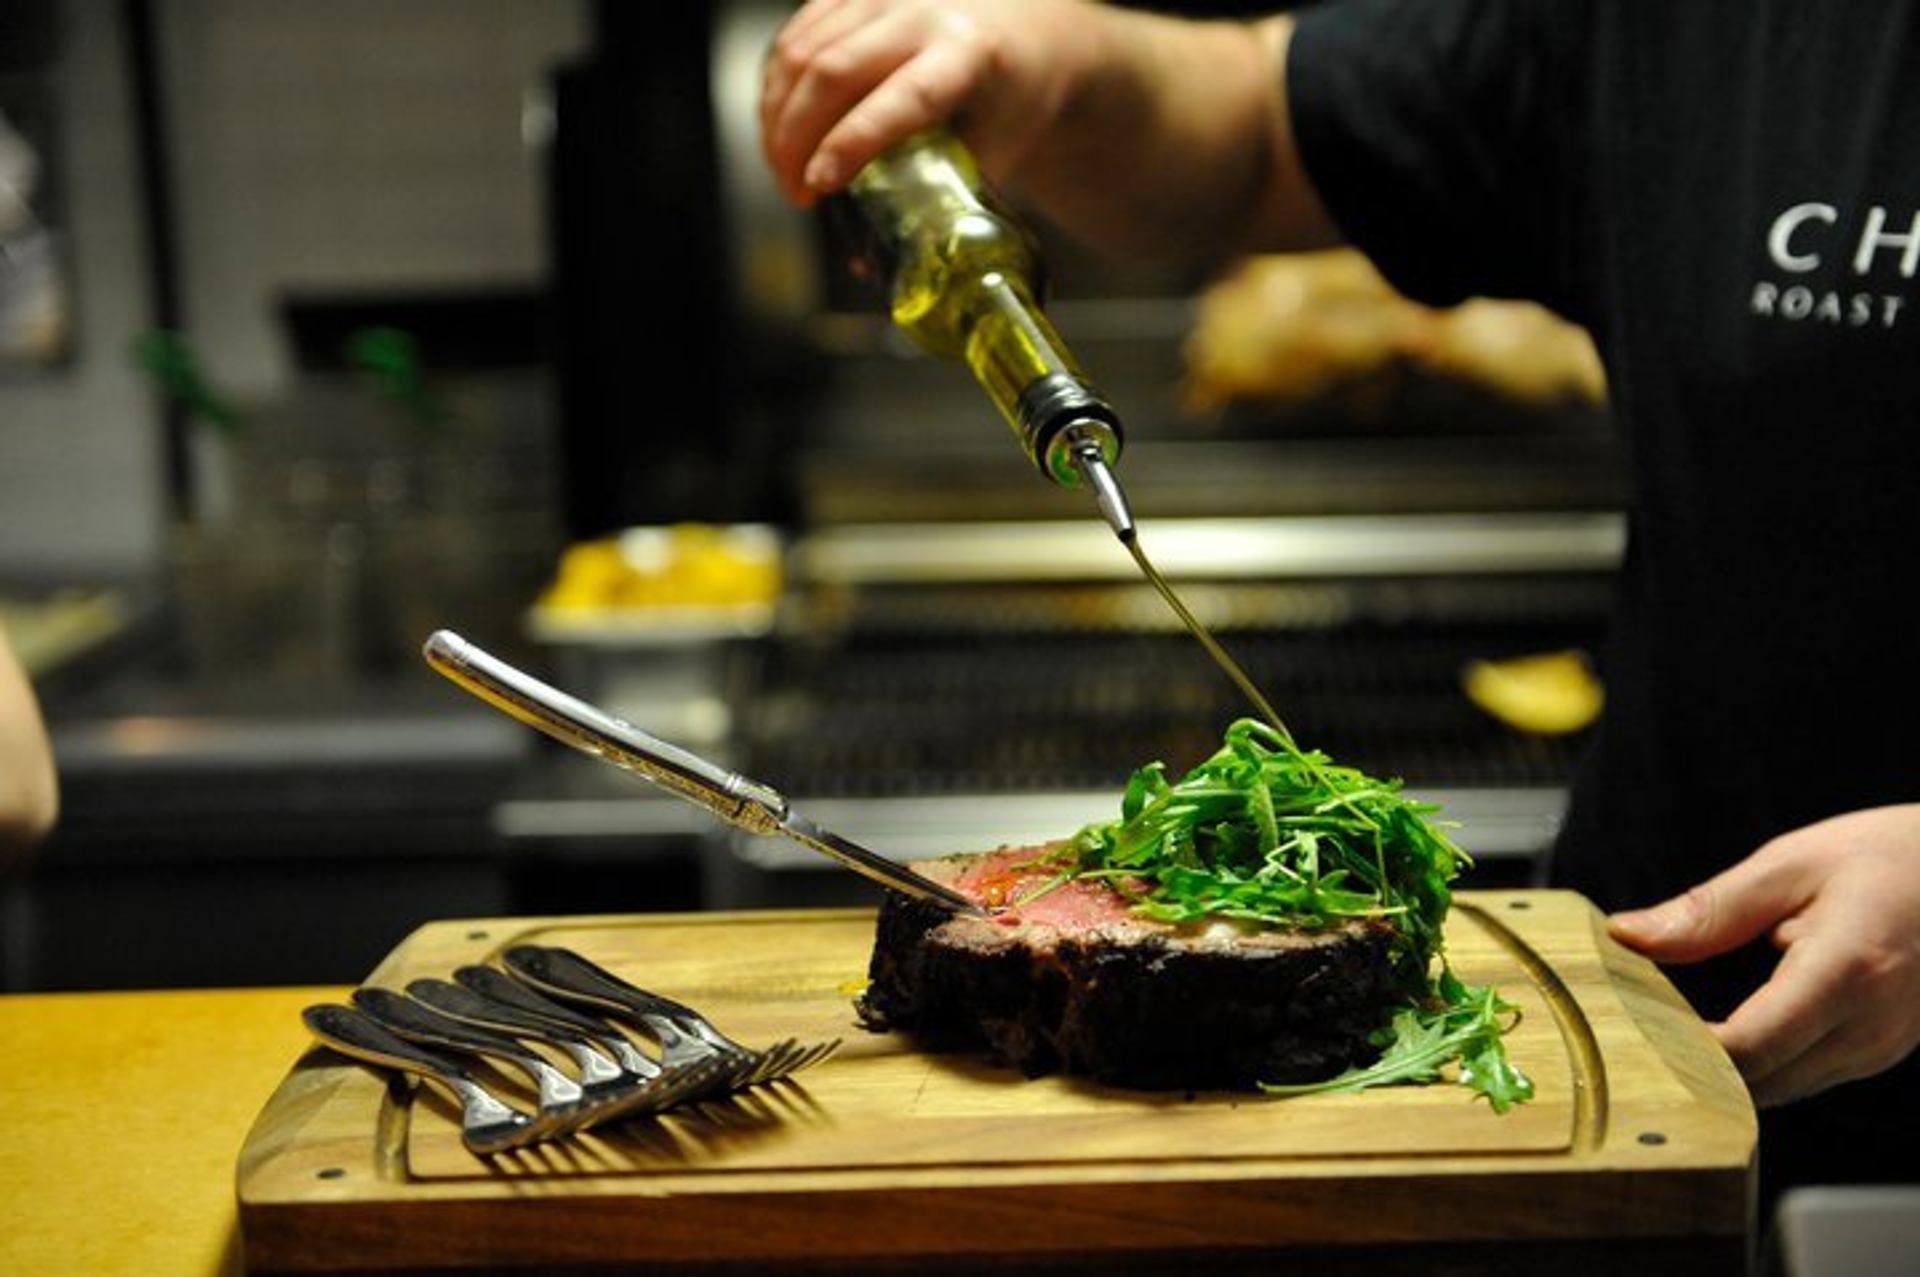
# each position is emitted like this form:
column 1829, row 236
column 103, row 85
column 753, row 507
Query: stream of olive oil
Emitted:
column 1221, row 657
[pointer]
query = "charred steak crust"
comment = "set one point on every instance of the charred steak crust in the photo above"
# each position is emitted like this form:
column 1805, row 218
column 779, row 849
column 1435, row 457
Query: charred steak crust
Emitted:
column 1148, row 1005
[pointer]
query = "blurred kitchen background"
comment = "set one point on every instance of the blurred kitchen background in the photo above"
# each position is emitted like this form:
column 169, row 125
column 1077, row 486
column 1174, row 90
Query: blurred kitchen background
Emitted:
column 326, row 325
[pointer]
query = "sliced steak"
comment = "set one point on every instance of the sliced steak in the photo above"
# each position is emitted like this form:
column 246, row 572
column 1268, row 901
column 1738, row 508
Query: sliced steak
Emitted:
column 1072, row 980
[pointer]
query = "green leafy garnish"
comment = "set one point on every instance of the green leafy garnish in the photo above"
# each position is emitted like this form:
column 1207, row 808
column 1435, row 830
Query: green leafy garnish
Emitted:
column 1421, row 1040
column 1266, row 832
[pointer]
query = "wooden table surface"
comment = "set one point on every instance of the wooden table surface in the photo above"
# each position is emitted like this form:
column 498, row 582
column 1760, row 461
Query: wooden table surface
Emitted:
column 124, row 1114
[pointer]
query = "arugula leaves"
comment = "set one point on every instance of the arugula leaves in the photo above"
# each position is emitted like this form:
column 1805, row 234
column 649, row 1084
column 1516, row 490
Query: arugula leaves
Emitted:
column 1421, row 1040
column 1267, row 832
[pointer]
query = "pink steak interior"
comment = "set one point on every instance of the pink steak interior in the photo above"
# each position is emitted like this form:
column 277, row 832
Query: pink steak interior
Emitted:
column 1001, row 880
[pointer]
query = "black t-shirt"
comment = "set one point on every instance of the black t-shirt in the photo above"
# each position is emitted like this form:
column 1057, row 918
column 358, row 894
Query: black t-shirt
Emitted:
column 1727, row 195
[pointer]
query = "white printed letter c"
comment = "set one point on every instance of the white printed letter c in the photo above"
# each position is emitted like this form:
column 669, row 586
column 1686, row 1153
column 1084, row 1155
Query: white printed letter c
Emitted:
column 1783, row 228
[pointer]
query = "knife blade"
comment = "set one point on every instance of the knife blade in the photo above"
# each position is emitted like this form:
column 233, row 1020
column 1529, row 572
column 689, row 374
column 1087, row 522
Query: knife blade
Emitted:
column 740, row 801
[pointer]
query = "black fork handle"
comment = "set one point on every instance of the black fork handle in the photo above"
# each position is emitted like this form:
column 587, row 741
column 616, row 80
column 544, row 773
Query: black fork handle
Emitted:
column 565, row 974
column 420, row 1023
column 500, row 987
column 465, row 1005
column 359, row 1035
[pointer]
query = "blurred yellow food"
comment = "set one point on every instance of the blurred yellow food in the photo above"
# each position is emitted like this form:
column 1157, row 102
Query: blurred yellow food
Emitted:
column 1549, row 694
column 688, row 565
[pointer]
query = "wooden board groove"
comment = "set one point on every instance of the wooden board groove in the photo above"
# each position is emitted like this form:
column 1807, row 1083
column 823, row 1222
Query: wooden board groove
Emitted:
column 1590, row 1100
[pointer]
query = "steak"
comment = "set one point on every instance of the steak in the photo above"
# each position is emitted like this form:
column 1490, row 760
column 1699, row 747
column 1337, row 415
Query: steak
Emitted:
column 1073, row 981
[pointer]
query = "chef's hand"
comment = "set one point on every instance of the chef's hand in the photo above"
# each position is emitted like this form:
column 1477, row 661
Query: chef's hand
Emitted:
column 845, row 79
column 1841, row 898
column 1140, row 132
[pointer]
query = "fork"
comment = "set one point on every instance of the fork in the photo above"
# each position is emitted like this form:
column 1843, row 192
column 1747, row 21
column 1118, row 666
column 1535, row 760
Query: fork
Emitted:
column 611, row 1089
column 497, row 985
column 678, row 1046
column 562, row 1101
column 598, row 1070
column 682, row 1032
column 488, row 1124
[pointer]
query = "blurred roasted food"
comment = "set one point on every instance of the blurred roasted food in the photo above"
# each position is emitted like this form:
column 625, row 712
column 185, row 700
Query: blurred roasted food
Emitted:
column 1305, row 327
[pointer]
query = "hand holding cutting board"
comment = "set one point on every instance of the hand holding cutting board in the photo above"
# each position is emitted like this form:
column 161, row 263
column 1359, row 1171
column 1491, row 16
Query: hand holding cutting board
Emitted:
column 1841, row 899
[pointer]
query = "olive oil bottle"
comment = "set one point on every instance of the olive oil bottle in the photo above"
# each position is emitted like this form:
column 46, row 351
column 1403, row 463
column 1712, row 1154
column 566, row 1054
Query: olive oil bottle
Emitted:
column 967, row 284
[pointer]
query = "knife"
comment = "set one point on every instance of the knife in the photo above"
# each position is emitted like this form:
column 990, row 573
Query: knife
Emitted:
column 744, row 803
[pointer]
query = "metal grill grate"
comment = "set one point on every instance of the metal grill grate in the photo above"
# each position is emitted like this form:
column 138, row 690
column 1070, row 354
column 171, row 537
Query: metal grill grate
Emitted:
column 896, row 714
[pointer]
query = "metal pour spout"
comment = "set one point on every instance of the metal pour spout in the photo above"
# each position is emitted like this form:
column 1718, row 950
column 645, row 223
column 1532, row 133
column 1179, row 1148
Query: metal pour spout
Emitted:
column 1090, row 459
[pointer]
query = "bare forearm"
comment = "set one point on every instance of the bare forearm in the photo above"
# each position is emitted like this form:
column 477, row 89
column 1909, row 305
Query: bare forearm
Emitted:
column 29, row 797
column 1177, row 144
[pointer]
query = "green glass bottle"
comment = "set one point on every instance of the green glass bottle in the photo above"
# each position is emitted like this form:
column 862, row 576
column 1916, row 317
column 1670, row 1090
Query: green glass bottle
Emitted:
column 967, row 284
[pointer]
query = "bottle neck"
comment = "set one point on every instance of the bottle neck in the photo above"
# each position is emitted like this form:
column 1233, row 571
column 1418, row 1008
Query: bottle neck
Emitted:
column 1033, row 379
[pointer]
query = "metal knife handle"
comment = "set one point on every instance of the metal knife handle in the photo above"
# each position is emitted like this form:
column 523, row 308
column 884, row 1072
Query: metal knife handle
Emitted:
column 747, row 803
column 729, row 795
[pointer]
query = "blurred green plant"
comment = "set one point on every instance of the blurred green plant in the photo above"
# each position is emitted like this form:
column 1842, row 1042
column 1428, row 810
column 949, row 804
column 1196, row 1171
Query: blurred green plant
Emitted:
column 169, row 359
column 391, row 357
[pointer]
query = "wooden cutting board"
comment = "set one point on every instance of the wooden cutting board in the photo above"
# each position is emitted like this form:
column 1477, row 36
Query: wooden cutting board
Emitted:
column 1640, row 1134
